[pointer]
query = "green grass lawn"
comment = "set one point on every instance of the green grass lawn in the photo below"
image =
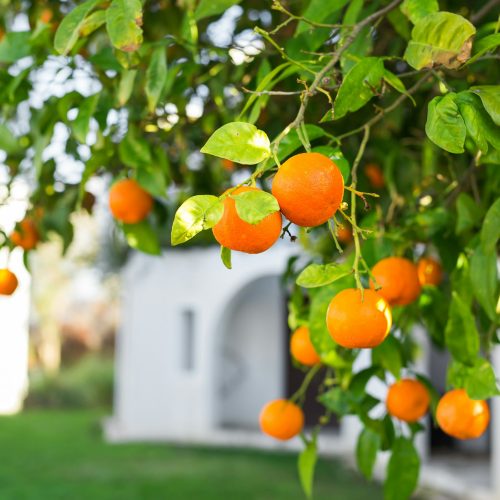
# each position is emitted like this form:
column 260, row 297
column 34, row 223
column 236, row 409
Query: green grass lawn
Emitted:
column 51, row 455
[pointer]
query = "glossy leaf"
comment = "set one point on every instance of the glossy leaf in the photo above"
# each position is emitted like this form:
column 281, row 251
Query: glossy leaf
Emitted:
column 156, row 77
column 126, row 86
column 81, row 124
column 142, row 237
column 468, row 213
column 445, row 126
column 490, row 97
column 490, row 232
column 239, row 142
column 480, row 381
column 461, row 335
column 402, row 470
column 194, row 215
column 359, row 85
column 440, row 38
column 123, row 22
column 416, row 10
column 306, row 465
column 208, row 8
column 366, row 451
column 316, row 275
column 483, row 274
column 388, row 355
column 253, row 206
column 225, row 255
column 69, row 30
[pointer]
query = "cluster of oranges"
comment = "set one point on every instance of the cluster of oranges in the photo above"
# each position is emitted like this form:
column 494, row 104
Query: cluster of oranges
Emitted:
column 309, row 189
column 25, row 236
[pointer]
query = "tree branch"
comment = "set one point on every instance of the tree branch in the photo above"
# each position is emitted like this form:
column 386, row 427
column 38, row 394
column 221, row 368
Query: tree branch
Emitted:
column 477, row 16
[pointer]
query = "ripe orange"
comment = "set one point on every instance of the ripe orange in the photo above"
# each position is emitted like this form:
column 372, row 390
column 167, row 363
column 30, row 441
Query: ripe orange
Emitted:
column 462, row 417
column 375, row 175
column 429, row 271
column 26, row 235
column 353, row 322
column 344, row 234
column 301, row 347
column 8, row 282
column 281, row 419
column 237, row 234
column 46, row 16
column 129, row 202
column 228, row 165
column 398, row 279
column 309, row 188
column 408, row 400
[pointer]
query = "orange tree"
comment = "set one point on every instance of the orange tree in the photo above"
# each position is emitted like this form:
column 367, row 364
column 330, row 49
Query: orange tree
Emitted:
column 367, row 130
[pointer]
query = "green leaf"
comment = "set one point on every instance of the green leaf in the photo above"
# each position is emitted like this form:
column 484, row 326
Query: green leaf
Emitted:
column 360, row 84
column 336, row 400
column 397, row 84
column 142, row 237
column 320, row 11
column 254, row 206
column 69, row 30
column 415, row 10
column 480, row 381
column 208, row 8
column 318, row 331
column 93, row 22
column 134, row 150
column 14, row 46
column 461, row 335
column 483, row 274
column 8, row 141
column 479, row 125
column 484, row 45
column 366, row 451
column 316, row 275
column 445, row 126
column 306, row 465
column 239, row 142
column 490, row 232
column 126, row 86
column 402, row 470
column 468, row 213
column 123, row 22
column 82, row 121
column 194, row 215
column 156, row 77
column 360, row 379
column 152, row 179
column 225, row 255
column 440, row 38
column 490, row 96
column 388, row 355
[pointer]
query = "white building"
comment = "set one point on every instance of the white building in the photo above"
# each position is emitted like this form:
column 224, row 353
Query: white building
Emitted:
column 202, row 348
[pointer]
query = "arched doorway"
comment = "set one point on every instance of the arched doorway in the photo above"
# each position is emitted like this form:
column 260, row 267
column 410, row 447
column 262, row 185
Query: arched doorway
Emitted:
column 250, row 367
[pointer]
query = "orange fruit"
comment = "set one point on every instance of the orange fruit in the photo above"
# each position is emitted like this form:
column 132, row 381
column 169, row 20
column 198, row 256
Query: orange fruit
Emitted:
column 408, row 400
column 129, row 202
column 375, row 175
column 344, row 234
column 354, row 321
column 398, row 279
column 237, row 234
column 462, row 417
column 281, row 419
column 26, row 234
column 309, row 188
column 46, row 16
column 301, row 347
column 429, row 271
column 228, row 165
column 8, row 282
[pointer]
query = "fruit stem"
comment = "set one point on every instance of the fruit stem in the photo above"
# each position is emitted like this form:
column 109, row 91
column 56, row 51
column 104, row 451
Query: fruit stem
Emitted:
column 355, row 229
column 300, row 392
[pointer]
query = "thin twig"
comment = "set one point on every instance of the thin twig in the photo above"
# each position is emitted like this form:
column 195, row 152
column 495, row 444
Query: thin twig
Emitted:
column 477, row 16
column 271, row 92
